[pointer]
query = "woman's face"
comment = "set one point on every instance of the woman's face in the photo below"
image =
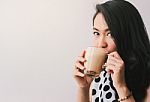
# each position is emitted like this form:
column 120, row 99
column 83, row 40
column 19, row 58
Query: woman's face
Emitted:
column 102, row 36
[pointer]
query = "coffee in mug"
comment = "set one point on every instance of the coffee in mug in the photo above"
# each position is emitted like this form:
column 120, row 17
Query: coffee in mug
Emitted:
column 95, row 58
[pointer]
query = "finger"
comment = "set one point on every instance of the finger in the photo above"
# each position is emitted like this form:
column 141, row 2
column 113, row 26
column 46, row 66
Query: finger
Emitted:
column 115, row 68
column 115, row 54
column 81, row 59
column 79, row 66
column 110, row 58
column 118, row 62
column 115, row 60
column 111, row 62
column 82, row 53
column 109, row 70
column 78, row 74
column 110, row 67
column 113, row 65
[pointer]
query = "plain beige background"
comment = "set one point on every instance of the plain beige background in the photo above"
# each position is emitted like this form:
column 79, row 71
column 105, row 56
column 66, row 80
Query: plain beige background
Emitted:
column 39, row 42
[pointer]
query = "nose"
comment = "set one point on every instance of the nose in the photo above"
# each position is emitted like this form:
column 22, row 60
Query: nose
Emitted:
column 102, row 43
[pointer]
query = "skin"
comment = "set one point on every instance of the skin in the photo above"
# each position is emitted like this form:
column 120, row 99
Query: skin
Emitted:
column 114, row 64
column 147, row 99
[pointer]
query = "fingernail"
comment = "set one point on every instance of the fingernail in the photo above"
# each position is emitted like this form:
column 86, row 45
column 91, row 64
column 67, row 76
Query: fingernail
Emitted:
column 104, row 66
column 83, row 68
column 82, row 75
column 106, row 70
column 108, row 54
column 83, row 59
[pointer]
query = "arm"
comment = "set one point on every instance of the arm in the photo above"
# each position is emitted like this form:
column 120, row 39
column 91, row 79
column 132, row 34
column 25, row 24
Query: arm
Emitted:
column 83, row 81
column 123, row 91
column 83, row 95
column 115, row 66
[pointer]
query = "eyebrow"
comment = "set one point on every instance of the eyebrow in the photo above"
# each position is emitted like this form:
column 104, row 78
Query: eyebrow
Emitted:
column 107, row 29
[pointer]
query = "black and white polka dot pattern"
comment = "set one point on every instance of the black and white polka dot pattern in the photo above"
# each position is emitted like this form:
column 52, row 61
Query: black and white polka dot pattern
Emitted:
column 102, row 89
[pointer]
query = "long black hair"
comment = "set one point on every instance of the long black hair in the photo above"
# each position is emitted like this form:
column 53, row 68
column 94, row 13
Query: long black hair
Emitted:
column 133, row 45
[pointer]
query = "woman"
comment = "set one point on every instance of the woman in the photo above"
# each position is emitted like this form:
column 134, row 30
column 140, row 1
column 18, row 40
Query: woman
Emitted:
column 118, row 28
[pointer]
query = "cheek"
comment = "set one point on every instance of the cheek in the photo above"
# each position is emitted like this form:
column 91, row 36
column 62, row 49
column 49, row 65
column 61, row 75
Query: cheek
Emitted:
column 94, row 41
column 111, row 46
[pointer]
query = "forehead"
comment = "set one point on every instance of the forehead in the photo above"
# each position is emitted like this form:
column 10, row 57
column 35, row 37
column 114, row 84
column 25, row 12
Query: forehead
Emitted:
column 100, row 23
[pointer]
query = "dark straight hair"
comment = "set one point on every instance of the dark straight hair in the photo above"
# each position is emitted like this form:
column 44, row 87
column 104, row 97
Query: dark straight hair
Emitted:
column 133, row 45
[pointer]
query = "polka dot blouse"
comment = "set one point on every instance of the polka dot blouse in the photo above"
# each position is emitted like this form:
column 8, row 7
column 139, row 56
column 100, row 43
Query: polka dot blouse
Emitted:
column 103, row 89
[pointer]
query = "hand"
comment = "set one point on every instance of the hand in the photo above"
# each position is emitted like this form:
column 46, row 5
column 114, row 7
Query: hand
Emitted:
column 81, row 79
column 115, row 66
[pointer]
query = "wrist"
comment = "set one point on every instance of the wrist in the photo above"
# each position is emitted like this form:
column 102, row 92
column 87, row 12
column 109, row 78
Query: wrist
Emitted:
column 84, row 89
column 83, row 94
column 125, row 97
column 123, row 91
column 120, row 85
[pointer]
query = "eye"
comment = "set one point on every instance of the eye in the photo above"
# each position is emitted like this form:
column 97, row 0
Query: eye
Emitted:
column 109, row 34
column 96, row 33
